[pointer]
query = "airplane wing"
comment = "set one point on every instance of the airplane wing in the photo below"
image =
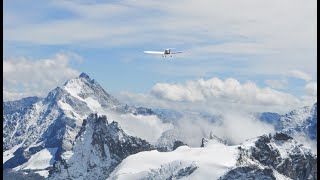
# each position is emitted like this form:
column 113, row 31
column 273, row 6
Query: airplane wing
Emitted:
column 176, row 52
column 153, row 52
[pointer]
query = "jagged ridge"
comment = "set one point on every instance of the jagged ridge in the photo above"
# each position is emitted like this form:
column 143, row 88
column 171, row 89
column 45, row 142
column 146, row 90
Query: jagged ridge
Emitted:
column 98, row 149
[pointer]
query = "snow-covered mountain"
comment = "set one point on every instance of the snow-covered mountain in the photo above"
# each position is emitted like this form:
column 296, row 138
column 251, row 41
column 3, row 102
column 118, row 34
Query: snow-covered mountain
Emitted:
column 264, row 157
column 11, row 107
column 34, row 127
column 79, row 131
column 54, row 121
column 301, row 121
column 98, row 149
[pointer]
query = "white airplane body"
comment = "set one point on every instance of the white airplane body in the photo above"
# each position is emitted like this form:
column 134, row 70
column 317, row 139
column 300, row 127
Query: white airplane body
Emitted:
column 163, row 53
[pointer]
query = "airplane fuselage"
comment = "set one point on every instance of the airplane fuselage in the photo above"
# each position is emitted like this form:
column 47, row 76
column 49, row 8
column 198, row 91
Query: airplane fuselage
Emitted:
column 164, row 53
column 167, row 51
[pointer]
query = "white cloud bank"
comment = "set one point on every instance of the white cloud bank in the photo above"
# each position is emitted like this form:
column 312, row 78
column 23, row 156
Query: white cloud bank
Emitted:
column 236, row 127
column 300, row 75
column 235, row 102
column 311, row 93
column 229, row 90
column 221, row 95
column 311, row 88
column 36, row 77
column 149, row 128
column 270, row 26
column 274, row 35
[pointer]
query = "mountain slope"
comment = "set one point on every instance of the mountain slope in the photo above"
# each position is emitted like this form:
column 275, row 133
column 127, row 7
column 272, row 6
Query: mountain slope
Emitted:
column 195, row 162
column 50, row 134
column 264, row 157
column 33, row 124
column 35, row 127
column 11, row 107
column 99, row 148
column 301, row 121
column 90, row 92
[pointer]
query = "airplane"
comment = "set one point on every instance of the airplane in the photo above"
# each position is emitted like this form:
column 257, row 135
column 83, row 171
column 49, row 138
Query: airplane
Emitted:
column 163, row 53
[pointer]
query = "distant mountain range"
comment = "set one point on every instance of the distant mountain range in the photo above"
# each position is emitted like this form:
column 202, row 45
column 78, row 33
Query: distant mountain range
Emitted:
column 299, row 121
column 79, row 131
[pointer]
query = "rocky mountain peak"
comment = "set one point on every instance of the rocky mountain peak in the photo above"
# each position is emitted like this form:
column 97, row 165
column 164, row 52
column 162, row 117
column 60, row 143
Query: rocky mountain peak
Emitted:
column 90, row 91
column 213, row 139
column 99, row 148
column 281, row 136
column 281, row 152
column 84, row 75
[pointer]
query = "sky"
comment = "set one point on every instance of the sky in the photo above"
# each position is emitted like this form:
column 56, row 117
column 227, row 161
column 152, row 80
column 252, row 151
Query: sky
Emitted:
column 253, row 53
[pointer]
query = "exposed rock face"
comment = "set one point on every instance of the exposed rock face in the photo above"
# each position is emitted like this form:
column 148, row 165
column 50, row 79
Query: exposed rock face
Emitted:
column 143, row 111
column 172, row 172
column 312, row 120
column 282, row 153
column 177, row 144
column 92, row 148
column 98, row 149
column 87, row 87
column 33, row 124
column 42, row 125
column 30, row 175
column 249, row 172
column 184, row 172
column 212, row 138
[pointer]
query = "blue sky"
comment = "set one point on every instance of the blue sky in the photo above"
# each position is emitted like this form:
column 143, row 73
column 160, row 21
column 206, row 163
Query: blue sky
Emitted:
column 270, row 43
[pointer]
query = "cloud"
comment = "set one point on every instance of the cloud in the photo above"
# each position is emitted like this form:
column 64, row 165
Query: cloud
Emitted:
column 238, row 127
column 36, row 77
column 225, row 120
column 215, row 96
column 11, row 95
column 234, row 102
column 300, row 75
column 229, row 90
column 306, row 141
column 278, row 84
column 311, row 88
column 92, row 10
column 149, row 128
column 239, row 48
column 263, row 25
column 176, row 93
column 234, row 126
column 139, row 99
column 311, row 94
column 270, row 36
